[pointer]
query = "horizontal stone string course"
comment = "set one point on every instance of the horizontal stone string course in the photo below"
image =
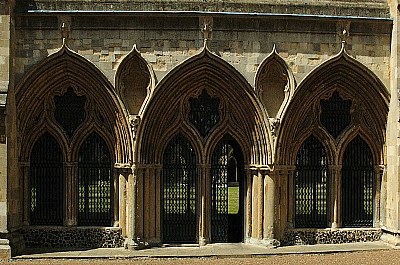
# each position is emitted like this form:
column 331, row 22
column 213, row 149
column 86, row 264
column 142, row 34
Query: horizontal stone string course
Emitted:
column 73, row 237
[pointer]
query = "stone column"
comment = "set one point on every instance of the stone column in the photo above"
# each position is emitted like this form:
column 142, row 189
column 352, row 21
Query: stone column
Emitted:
column 122, row 172
column 269, row 205
column 254, row 204
column 291, row 170
column 379, row 171
column 131, row 202
column 248, row 209
column 71, row 209
column 282, row 175
column 24, row 171
column 260, row 204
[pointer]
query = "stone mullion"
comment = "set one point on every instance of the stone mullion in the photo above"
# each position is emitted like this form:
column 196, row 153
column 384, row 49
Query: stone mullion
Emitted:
column 71, row 192
column 24, row 169
column 205, row 204
column 334, row 202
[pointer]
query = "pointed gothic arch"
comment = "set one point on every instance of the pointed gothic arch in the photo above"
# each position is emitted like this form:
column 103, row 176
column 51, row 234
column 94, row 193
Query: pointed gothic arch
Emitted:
column 344, row 73
column 340, row 86
column 68, row 73
column 64, row 69
column 202, row 81
column 204, row 70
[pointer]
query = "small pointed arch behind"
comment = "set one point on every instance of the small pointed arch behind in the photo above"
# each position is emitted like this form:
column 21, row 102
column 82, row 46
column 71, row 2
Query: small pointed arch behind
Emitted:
column 179, row 192
column 358, row 184
column 46, row 182
column 311, row 185
column 274, row 83
column 95, row 185
column 134, row 81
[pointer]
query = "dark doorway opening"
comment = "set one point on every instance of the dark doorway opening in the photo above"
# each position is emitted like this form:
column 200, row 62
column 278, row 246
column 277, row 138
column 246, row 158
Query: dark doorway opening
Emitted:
column 227, row 190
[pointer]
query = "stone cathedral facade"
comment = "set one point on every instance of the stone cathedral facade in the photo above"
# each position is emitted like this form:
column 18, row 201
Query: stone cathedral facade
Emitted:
column 137, row 124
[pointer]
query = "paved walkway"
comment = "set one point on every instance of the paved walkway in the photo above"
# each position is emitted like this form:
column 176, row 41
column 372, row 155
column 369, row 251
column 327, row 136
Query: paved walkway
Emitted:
column 212, row 250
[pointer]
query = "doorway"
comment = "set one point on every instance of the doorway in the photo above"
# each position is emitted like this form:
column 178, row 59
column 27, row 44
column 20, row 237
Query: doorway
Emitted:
column 227, row 190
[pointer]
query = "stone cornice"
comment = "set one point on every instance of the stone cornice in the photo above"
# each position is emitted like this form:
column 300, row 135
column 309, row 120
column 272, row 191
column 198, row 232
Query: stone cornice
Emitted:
column 361, row 8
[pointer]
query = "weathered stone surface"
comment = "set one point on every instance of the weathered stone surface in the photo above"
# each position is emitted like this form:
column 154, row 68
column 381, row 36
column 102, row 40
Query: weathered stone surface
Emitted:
column 79, row 237
column 328, row 236
column 366, row 8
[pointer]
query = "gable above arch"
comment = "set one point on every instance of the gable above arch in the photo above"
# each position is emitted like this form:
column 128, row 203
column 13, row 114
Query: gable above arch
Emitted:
column 170, row 103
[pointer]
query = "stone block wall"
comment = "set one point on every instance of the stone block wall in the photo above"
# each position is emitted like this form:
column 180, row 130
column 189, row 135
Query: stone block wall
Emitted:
column 167, row 40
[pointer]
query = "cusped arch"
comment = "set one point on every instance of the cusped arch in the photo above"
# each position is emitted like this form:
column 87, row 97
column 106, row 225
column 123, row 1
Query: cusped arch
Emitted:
column 66, row 68
column 227, row 129
column 274, row 84
column 322, row 138
column 344, row 73
column 85, row 132
column 169, row 136
column 26, row 152
column 204, row 70
column 359, row 132
column 134, row 81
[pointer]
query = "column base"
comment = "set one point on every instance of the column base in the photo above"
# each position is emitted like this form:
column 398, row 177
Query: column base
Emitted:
column 268, row 243
column 391, row 237
column 5, row 249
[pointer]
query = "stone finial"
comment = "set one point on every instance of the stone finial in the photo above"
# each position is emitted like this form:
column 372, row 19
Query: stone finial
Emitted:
column 65, row 28
column 344, row 37
column 206, row 29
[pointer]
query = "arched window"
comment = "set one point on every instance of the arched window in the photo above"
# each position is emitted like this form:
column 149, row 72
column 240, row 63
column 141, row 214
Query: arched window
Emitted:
column 311, row 185
column 357, row 185
column 94, row 183
column 46, row 182
column 178, row 192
